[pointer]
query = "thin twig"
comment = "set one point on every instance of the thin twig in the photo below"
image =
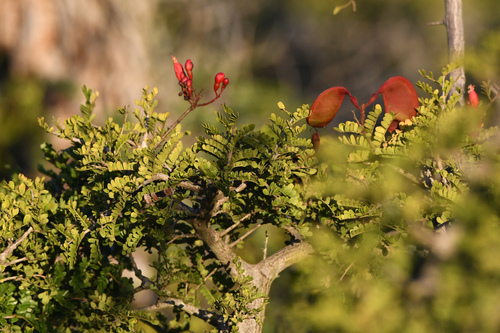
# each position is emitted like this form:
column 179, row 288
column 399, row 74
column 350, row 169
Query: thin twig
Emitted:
column 174, row 125
column 189, row 186
column 436, row 23
column 89, row 229
column 339, row 8
column 211, row 101
column 404, row 174
column 345, row 272
column 157, row 176
column 265, row 246
column 13, row 262
column 240, row 187
column 10, row 278
column 145, row 281
column 206, row 278
column 125, row 116
column 220, row 199
column 131, row 143
column 356, row 118
column 176, row 237
column 19, row 278
column 231, row 228
column 245, row 235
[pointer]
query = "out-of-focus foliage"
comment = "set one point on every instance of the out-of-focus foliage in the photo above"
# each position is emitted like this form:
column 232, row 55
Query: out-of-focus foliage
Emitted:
column 389, row 272
column 484, row 61
column 21, row 101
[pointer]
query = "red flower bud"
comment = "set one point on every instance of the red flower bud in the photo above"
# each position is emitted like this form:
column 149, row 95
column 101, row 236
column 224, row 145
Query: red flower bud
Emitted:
column 473, row 99
column 224, row 84
column 184, row 80
column 219, row 77
column 179, row 71
column 189, row 68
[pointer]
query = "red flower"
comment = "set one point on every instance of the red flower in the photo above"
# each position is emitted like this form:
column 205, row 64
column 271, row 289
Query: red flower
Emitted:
column 189, row 68
column 179, row 71
column 473, row 99
column 186, row 83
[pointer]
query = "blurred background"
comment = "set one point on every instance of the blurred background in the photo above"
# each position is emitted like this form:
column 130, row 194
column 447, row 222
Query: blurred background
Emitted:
column 282, row 50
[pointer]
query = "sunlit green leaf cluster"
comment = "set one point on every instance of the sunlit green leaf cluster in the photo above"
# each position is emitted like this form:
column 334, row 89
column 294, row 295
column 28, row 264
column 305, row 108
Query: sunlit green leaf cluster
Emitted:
column 130, row 184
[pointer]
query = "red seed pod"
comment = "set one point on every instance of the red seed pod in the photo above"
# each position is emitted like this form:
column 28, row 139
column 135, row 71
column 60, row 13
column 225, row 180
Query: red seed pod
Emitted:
column 473, row 99
column 400, row 97
column 179, row 71
column 189, row 68
column 326, row 106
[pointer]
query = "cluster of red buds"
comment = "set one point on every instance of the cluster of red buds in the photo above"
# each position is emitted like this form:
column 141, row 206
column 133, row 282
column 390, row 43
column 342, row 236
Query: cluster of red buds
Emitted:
column 186, row 82
column 220, row 78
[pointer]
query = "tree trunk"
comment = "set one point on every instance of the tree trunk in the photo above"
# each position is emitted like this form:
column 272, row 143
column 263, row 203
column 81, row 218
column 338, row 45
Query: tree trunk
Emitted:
column 456, row 43
column 264, row 273
column 254, row 325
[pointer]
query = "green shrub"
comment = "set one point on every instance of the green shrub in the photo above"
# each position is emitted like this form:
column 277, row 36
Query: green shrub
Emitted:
column 399, row 229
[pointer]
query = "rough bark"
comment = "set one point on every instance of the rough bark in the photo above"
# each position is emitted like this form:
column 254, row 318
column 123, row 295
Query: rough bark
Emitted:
column 263, row 273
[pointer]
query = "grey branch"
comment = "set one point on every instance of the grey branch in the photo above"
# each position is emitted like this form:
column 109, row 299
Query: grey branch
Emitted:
column 289, row 255
column 210, row 317
column 13, row 262
column 231, row 228
column 145, row 281
column 11, row 247
column 456, row 44
column 220, row 249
